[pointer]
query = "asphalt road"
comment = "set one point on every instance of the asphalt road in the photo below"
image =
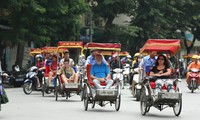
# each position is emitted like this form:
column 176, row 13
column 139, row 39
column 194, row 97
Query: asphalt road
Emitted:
column 36, row 107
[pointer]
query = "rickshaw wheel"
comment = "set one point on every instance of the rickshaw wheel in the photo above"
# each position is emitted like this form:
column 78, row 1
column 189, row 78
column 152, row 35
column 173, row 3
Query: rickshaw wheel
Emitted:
column 56, row 92
column 27, row 88
column 86, row 98
column 117, row 103
column 177, row 107
column 83, row 92
column 93, row 104
column 143, row 102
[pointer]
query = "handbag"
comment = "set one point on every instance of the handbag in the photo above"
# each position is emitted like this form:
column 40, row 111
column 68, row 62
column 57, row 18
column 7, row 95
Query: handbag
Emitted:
column 4, row 97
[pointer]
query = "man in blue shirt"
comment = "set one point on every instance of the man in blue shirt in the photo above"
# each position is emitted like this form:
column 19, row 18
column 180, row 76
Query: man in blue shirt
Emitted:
column 100, row 73
column 91, row 58
column 148, row 62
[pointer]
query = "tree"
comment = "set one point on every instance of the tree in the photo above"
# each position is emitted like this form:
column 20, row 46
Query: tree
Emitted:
column 42, row 21
column 161, row 19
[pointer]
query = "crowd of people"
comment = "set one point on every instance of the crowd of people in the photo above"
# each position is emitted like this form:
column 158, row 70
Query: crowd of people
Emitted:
column 101, row 71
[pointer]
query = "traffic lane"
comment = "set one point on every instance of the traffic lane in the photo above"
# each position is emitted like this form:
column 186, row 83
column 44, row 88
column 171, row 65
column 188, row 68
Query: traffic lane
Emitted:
column 35, row 106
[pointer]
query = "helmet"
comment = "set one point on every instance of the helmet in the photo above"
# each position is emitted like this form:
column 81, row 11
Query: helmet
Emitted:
column 39, row 56
column 140, row 56
column 195, row 57
column 128, row 56
column 136, row 54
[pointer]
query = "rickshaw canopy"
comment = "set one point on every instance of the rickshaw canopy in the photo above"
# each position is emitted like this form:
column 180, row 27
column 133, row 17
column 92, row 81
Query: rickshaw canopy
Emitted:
column 49, row 49
column 35, row 51
column 161, row 45
column 70, row 44
column 103, row 46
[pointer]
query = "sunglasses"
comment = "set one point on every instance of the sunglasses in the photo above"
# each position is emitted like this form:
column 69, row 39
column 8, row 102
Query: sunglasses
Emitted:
column 161, row 59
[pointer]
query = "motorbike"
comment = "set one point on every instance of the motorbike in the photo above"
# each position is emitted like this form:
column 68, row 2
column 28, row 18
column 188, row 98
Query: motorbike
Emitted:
column 30, row 83
column 118, row 76
column 126, row 73
column 193, row 76
column 16, row 77
column 5, row 78
column 136, row 84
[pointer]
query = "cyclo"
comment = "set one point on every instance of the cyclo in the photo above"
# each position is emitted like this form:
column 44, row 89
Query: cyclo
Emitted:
column 69, row 88
column 90, row 94
column 48, row 87
column 165, row 99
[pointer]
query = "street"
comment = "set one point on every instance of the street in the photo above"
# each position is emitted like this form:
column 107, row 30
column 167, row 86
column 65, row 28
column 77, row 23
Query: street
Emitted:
column 36, row 107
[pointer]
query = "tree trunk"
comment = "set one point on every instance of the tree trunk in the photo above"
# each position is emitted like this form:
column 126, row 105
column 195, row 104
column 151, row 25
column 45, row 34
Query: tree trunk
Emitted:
column 20, row 55
column 2, row 47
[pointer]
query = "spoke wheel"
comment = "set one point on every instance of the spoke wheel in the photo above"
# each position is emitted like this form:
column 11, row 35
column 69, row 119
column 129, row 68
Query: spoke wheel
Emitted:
column 86, row 101
column 27, row 88
column 93, row 104
column 178, row 107
column 118, row 103
column 56, row 92
column 143, row 102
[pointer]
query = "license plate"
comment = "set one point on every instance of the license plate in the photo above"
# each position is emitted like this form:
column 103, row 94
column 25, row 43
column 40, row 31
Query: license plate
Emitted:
column 19, row 79
column 71, row 85
column 170, row 95
column 106, row 93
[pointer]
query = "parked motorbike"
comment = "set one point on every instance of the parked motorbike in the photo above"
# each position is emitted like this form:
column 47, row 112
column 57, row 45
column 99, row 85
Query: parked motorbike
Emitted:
column 193, row 76
column 16, row 77
column 30, row 84
column 136, row 84
column 118, row 76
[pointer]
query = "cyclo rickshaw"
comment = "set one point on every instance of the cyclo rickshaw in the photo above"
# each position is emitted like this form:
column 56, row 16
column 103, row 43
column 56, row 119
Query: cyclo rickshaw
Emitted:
column 165, row 99
column 90, row 94
column 76, row 48
column 48, row 87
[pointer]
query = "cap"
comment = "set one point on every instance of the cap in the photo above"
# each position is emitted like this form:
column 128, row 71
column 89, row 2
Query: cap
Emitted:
column 39, row 56
column 115, row 55
column 195, row 57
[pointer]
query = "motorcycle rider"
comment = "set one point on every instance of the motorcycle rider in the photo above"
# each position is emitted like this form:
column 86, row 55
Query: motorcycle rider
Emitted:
column 194, row 64
column 135, row 65
column 148, row 62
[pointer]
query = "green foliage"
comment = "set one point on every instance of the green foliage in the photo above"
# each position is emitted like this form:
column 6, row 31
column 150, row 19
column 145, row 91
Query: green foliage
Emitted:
column 44, row 20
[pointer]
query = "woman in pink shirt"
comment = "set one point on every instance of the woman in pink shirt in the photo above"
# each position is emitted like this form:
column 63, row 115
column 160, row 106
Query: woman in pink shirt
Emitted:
column 53, row 67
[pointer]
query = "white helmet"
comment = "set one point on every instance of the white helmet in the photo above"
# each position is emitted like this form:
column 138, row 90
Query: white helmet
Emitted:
column 39, row 56
column 128, row 56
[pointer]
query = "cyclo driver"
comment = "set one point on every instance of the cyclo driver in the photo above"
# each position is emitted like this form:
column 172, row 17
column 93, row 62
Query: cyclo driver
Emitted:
column 100, row 73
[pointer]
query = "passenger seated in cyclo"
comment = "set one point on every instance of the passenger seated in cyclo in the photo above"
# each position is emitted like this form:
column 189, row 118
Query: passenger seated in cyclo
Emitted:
column 67, row 73
column 71, row 63
column 162, row 72
column 100, row 73
column 53, row 66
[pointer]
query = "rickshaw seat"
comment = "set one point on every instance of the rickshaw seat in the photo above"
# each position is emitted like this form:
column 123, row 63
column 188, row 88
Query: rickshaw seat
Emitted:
column 88, row 68
column 164, row 87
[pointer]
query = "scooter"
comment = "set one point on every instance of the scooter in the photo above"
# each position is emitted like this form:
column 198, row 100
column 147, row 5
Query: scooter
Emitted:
column 16, row 77
column 136, row 84
column 30, row 84
column 126, row 73
column 193, row 76
column 5, row 78
column 118, row 76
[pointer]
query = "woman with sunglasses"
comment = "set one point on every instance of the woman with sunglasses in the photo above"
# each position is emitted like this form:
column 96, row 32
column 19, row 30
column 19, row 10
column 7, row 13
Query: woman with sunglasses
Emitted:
column 162, row 72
